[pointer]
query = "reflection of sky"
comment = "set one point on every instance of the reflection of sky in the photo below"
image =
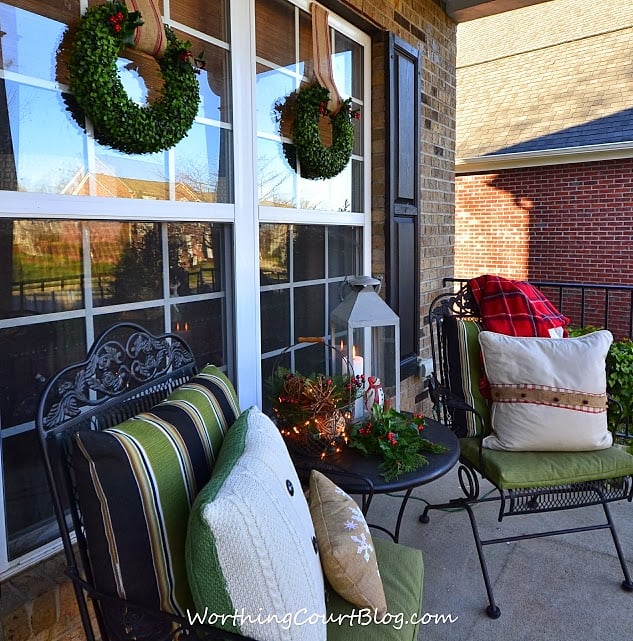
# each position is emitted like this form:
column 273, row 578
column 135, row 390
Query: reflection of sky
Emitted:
column 272, row 86
column 32, row 52
column 47, row 143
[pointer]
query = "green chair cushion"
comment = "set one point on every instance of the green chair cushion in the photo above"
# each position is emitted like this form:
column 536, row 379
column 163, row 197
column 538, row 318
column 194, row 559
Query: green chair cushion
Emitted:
column 514, row 470
column 402, row 572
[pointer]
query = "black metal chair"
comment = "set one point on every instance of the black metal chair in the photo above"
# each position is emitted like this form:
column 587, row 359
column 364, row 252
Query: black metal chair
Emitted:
column 126, row 371
column 454, row 324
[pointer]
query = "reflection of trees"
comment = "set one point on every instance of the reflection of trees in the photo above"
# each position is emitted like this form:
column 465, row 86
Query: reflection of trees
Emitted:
column 137, row 274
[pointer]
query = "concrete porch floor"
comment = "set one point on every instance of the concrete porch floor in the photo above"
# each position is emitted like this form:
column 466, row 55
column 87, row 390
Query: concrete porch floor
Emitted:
column 562, row 588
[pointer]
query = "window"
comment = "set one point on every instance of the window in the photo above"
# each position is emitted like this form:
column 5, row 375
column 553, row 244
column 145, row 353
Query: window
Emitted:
column 302, row 266
column 216, row 239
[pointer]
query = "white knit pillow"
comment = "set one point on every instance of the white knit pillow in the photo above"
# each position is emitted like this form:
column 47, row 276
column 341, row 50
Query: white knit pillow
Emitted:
column 549, row 394
column 251, row 546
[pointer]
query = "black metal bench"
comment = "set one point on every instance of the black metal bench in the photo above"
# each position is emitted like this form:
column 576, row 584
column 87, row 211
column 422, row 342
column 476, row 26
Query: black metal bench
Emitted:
column 97, row 459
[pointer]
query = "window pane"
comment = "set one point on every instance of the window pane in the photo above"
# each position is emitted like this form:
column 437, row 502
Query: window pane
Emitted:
column 195, row 258
column 47, row 150
column 308, row 252
column 309, row 311
column 28, row 38
column 334, row 194
column 348, row 66
column 41, row 267
column 342, row 255
column 271, row 87
column 275, row 32
column 201, row 325
column 215, row 82
column 31, row 354
column 29, row 511
column 276, row 181
column 204, row 165
column 275, row 306
column 274, row 242
column 151, row 318
column 127, row 262
column 208, row 17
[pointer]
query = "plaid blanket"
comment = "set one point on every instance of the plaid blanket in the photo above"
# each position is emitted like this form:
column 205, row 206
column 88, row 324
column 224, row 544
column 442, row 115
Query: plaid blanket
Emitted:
column 515, row 308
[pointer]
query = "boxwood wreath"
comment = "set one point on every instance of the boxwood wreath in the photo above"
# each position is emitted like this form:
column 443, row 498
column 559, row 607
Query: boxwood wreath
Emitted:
column 304, row 108
column 119, row 122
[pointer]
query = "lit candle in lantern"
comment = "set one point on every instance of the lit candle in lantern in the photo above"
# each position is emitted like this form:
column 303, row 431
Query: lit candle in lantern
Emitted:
column 358, row 364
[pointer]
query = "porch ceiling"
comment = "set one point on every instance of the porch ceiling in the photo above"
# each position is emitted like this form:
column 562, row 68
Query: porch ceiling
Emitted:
column 463, row 10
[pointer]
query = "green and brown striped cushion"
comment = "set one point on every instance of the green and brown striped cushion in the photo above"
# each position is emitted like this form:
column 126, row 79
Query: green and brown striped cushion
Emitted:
column 463, row 355
column 137, row 482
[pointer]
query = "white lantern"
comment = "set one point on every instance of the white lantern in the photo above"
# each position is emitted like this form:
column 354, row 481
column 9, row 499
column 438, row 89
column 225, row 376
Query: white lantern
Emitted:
column 367, row 332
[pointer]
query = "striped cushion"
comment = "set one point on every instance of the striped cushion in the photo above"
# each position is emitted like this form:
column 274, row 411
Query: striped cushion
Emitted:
column 137, row 482
column 463, row 355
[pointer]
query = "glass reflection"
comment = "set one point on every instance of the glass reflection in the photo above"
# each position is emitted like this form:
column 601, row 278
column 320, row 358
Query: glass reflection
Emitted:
column 276, row 181
column 272, row 87
column 334, row 194
column 195, row 258
column 275, row 322
column 47, row 146
column 41, row 268
column 204, row 165
column 31, row 355
column 200, row 324
column 274, row 246
column 28, row 38
column 127, row 262
column 342, row 252
column 308, row 252
column 309, row 311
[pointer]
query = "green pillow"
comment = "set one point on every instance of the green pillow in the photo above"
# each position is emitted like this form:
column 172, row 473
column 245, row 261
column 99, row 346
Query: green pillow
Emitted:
column 251, row 547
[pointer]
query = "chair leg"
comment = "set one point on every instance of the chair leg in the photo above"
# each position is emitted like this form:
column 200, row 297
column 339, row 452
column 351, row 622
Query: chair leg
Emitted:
column 627, row 584
column 492, row 610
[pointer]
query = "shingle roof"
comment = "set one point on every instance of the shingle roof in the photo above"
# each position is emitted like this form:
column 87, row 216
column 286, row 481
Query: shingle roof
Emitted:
column 551, row 76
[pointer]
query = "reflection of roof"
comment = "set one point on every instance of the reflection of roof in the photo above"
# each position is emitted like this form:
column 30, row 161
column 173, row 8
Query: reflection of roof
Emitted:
column 556, row 75
column 103, row 184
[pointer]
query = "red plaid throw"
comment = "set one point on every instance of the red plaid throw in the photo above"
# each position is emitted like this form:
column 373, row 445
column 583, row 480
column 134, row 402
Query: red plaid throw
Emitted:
column 515, row 308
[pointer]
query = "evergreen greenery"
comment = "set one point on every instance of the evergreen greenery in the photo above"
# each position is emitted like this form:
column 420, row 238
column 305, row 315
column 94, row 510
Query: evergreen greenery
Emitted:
column 317, row 161
column 118, row 121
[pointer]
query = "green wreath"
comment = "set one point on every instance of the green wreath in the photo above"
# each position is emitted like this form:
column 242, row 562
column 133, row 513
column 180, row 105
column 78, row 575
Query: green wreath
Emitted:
column 317, row 161
column 118, row 121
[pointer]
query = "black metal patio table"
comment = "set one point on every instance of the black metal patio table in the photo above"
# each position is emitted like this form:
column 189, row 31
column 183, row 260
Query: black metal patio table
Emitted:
column 356, row 473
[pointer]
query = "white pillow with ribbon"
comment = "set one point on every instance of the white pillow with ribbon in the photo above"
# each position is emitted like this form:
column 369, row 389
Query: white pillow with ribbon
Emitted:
column 548, row 394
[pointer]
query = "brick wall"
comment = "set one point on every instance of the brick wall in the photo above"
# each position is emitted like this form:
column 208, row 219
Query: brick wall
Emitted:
column 571, row 223
column 567, row 222
column 423, row 24
column 39, row 604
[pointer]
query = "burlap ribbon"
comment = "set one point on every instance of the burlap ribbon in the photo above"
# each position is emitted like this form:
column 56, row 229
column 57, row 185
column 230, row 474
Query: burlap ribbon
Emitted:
column 322, row 55
column 549, row 396
column 150, row 36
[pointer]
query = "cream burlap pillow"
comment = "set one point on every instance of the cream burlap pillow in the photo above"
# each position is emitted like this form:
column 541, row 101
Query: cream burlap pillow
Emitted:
column 345, row 545
column 549, row 394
